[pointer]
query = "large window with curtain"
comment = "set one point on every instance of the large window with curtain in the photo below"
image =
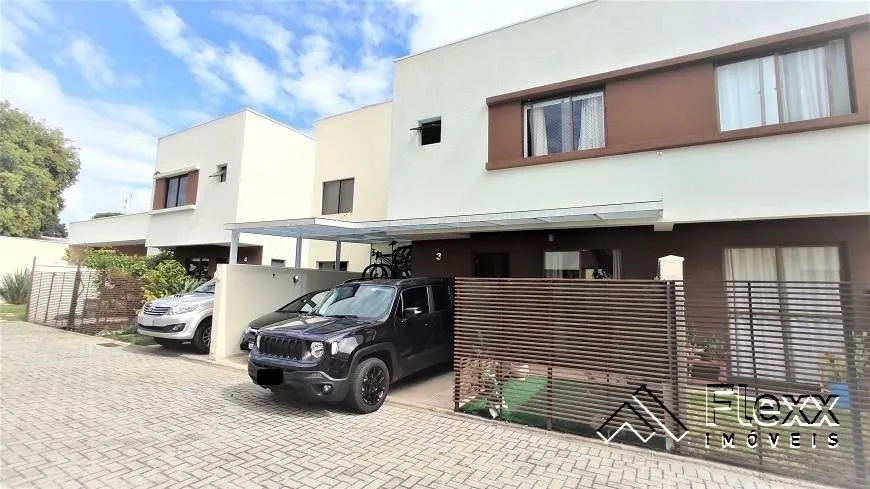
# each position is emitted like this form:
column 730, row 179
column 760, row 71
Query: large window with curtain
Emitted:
column 564, row 124
column 585, row 264
column 784, row 87
column 783, row 329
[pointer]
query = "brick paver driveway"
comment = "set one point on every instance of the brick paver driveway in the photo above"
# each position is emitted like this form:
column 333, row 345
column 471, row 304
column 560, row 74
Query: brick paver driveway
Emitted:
column 76, row 414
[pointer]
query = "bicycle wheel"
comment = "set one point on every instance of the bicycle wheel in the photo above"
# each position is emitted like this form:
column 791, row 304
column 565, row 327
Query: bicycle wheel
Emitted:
column 376, row 270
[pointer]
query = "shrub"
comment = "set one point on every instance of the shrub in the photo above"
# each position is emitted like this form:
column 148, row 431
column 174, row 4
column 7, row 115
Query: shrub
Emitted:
column 167, row 278
column 190, row 284
column 13, row 287
column 154, row 260
column 107, row 259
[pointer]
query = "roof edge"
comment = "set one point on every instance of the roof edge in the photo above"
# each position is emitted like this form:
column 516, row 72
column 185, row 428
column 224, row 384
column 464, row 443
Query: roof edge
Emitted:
column 484, row 33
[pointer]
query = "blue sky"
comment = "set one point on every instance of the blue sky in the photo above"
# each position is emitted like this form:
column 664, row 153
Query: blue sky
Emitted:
column 116, row 75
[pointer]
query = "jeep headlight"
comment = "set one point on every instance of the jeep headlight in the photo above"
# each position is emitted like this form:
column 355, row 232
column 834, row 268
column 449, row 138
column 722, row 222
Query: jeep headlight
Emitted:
column 182, row 309
column 258, row 341
column 316, row 348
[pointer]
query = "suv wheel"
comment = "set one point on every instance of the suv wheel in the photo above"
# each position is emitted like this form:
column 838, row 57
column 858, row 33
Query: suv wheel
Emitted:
column 369, row 384
column 202, row 337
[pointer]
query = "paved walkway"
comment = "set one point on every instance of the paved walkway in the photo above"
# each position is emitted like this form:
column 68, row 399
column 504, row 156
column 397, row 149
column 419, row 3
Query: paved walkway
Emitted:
column 77, row 414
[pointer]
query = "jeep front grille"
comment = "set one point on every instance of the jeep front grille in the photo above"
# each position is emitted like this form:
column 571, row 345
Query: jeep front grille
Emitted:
column 278, row 346
column 155, row 310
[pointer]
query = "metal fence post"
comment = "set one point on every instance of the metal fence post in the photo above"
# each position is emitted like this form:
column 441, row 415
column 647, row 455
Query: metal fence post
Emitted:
column 30, row 290
column 754, row 360
column 671, row 388
column 77, row 282
column 856, row 396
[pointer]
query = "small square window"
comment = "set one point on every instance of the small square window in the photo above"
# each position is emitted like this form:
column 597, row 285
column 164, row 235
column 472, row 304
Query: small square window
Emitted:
column 430, row 132
column 337, row 196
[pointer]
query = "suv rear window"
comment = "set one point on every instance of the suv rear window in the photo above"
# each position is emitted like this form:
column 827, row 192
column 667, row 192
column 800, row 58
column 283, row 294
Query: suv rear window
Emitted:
column 416, row 297
column 441, row 297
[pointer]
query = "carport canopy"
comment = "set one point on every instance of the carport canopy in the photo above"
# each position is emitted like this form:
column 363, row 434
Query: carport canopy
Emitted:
column 386, row 231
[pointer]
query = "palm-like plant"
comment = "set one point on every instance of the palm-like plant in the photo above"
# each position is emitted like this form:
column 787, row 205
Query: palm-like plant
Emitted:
column 13, row 286
column 189, row 284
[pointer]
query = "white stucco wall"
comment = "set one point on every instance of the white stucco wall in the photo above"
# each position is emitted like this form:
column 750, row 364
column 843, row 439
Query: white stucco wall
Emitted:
column 814, row 173
column 244, row 293
column 205, row 146
column 278, row 165
column 116, row 230
column 356, row 145
column 18, row 253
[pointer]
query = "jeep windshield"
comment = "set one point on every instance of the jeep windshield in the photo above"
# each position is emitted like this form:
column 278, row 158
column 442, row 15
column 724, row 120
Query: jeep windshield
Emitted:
column 356, row 301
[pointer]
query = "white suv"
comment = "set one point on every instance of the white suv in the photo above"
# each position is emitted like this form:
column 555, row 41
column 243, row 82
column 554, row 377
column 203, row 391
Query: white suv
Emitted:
column 177, row 318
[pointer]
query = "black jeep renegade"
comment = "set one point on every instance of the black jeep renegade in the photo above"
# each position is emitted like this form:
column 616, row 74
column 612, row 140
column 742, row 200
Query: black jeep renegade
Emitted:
column 364, row 336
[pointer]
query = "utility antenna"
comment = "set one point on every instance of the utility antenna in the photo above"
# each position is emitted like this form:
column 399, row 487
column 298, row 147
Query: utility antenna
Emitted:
column 125, row 202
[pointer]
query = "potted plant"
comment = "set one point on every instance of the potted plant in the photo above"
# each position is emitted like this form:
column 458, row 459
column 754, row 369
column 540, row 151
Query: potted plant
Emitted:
column 834, row 378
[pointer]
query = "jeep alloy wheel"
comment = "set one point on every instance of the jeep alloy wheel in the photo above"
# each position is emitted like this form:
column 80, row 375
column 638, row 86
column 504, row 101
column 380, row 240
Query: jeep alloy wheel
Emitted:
column 370, row 381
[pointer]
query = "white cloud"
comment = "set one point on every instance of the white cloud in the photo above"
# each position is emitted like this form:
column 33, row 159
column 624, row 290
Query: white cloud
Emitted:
column 258, row 82
column 20, row 19
column 270, row 32
column 94, row 62
column 441, row 22
column 324, row 86
column 174, row 36
column 116, row 142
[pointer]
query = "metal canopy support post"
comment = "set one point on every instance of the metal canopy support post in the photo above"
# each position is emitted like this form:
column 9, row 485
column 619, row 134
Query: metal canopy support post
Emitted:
column 234, row 248
column 298, row 257
column 337, row 256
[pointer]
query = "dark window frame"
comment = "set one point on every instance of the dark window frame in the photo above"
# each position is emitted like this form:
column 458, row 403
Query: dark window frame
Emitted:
column 180, row 195
column 430, row 132
column 436, row 304
column 567, row 120
column 340, row 206
column 426, row 290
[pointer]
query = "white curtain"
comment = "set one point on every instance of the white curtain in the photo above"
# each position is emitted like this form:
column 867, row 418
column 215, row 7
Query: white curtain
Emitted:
column 803, row 85
column 538, row 130
column 814, row 315
column 588, row 111
column 738, row 87
column 840, row 100
column 755, row 264
column 556, row 263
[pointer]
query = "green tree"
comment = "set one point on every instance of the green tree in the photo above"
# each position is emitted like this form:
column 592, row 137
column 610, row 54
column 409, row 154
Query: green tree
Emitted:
column 53, row 227
column 105, row 214
column 36, row 165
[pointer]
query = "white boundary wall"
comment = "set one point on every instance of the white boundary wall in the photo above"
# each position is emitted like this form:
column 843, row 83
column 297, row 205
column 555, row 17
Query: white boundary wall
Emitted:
column 18, row 253
column 246, row 292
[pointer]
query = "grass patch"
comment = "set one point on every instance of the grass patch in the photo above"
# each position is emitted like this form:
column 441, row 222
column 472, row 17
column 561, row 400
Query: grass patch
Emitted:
column 128, row 335
column 12, row 312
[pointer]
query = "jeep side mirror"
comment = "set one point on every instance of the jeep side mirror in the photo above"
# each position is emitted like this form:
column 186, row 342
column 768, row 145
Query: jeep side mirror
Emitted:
column 411, row 311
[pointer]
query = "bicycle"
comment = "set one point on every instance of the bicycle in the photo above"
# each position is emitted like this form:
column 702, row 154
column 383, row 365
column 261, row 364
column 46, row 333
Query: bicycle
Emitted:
column 396, row 264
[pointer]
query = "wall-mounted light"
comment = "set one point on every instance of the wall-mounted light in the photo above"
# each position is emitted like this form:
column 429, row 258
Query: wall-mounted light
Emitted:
column 551, row 238
column 296, row 279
